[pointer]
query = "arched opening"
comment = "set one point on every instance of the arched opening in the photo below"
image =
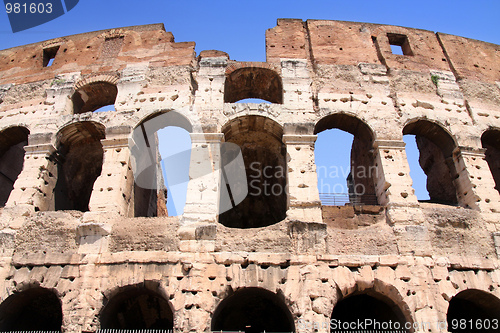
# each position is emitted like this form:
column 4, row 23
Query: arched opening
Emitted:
column 12, row 142
column 35, row 309
column 94, row 96
column 375, row 309
column 417, row 174
column 435, row 147
column 474, row 311
column 264, row 156
column 79, row 160
column 355, row 173
column 491, row 142
column 252, row 310
column 160, row 157
column 137, row 308
column 253, row 82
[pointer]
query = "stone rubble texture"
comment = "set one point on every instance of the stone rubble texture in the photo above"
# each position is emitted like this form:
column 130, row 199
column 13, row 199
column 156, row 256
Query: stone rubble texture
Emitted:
column 319, row 75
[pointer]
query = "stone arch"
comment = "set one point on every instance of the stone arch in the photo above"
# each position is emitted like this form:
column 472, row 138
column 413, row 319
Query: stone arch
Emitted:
column 473, row 306
column 34, row 309
column 362, row 163
column 253, row 81
column 94, row 92
column 382, row 303
column 490, row 141
column 253, row 309
column 79, row 159
column 149, row 189
column 140, row 306
column 436, row 146
column 264, row 156
column 12, row 142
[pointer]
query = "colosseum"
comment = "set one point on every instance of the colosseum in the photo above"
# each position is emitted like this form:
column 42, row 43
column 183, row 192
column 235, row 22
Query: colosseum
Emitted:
column 86, row 240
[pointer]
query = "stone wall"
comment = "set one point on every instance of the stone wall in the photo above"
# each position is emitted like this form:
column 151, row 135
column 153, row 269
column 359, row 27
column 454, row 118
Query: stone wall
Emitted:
column 80, row 232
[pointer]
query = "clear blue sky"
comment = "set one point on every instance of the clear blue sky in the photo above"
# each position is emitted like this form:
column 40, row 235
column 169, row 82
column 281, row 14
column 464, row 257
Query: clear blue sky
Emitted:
column 238, row 27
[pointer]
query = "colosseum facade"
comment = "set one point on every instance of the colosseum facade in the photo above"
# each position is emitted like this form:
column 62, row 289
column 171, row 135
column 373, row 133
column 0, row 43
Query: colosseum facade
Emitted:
column 86, row 247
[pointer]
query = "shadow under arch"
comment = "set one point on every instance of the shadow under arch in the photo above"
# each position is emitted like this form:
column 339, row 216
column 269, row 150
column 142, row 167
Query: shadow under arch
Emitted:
column 149, row 188
column 136, row 307
column 253, row 82
column 490, row 141
column 259, row 139
column 473, row 307
column 253, row 310
column 12, row 142
column 35, row 309
column 79, row 159
column 94, row 95
column 373, row 307
column 436, row 146
column 363, row 173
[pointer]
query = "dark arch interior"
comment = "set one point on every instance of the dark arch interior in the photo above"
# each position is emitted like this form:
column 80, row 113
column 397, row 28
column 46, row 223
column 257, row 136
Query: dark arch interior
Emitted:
column 263, row 152
column 12, row 142
column 137, row 308
column 31, row 310
column 94, row 96
column 491, row 142
column 79, row 162
column 436, row 147
column 360, row 307
column 253, row 82
column 473, row 306
column 252, row 310
column 363, row 172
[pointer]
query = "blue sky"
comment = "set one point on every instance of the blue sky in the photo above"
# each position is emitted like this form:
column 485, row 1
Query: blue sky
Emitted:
column 238, row 27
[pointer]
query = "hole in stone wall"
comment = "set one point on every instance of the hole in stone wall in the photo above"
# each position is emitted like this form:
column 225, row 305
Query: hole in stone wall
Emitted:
column 417, row 174
column 399, row 44
column 491, row 142
column 344, row 163
column 162, row 155
column 263, row 152
column 79, row 162
column 253, row 100
column 35, row 309
column 363, row 307
column 252, row 310
column 49, row 54
column 137, row 308
column 435, row 147
column 253, row 82
column 473, row 307
column 94, row 96
column 12, row 142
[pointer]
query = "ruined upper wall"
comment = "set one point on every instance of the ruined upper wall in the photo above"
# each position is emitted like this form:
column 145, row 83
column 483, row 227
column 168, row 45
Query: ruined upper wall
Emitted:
column 351, row 43
column 94, row 52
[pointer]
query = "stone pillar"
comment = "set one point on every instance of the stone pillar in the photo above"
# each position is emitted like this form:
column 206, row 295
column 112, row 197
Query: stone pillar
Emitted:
column 35, row 184
column 393, row 183
column 303, row 196
column 198, row 228
column 474, row 182
column 114, row 187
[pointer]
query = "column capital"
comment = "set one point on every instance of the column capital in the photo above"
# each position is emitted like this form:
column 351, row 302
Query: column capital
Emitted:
column 206, row 137
column 115, row 143
column 299, row 139
column 469, row 151
column 389, row 144
column 46, row 148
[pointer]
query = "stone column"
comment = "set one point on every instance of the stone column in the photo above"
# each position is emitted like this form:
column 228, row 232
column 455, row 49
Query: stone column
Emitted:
column 393, row 183
column 474, row 182
column 303, row 196
column 35, row 184
column 114, row 187
column 202, row 205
